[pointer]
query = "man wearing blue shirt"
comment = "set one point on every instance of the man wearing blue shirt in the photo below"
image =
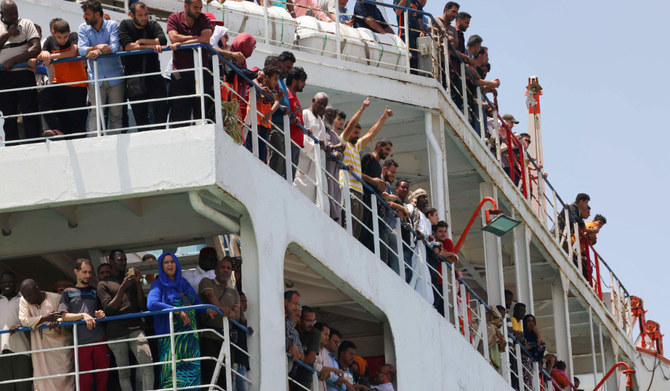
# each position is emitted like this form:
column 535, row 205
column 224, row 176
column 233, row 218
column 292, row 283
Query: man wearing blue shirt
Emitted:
column 285, row 62
column 98, row 37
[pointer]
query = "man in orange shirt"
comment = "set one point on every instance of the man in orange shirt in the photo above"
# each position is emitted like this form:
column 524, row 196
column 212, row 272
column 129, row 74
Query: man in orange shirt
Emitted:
column 265, row 108
column 63, row 44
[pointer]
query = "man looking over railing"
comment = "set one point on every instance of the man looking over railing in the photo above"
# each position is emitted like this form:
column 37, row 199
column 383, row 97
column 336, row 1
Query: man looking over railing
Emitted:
column 276, row 160
column 322, row 363
column 372, row 175
column 218, row 293
column 306, row 179
column 81, row 302
column 389, row 232
column 97, row 37
column 186, row 27
column 120, row 294
column 443, row 22
column 140, row 33
column 36, row 309
column 20, row 366
column 415, row 26
column 368, row 16
column 292, row 337
column 384, row 378
column 19, row 41
column 311, row 343
column 574, row 212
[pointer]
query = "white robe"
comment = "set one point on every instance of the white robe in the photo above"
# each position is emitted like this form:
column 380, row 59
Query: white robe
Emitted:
column 306, row 176
column 53, row 362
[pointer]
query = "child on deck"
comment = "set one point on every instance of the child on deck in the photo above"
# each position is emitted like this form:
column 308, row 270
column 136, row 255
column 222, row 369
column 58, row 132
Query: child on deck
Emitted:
column 265, row 107
column 63, row 44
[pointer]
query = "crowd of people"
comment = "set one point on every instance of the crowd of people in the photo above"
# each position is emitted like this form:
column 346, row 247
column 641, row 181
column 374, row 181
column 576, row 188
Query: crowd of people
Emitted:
column 114, row 343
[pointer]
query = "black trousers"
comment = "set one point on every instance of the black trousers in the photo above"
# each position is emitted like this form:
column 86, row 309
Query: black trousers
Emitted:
column 64, row 97
column 183, row 83
column 211, row 348
column 24, row 102
column 155, row 90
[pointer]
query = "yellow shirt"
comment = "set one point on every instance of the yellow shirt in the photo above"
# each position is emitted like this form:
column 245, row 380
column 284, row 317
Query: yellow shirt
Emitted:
column 516, row 325
column 352, row 155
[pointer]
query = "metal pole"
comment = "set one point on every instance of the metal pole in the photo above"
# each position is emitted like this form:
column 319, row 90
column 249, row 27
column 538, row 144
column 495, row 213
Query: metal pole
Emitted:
column 454, row 295
column 201, row 72
column 228, row 360
column 485, row 331
column 267, row 22
column 505, row 365
column 445, row 291
column 447, row 75
column 536, row 376
column 99, row 115
column 407, row 41
column 593, row 346
column 217, row 91
column 338, row 35
column 375, row 224
column 321, row 200
column 75, row 337
column 254, row 121
column 464, row 313
column 602, row 352
column 400, row 248
column 346, row 195
column 578, row 249
column 173, row 354
column 519, row 367
column 464, row 92
column 480, row 113
column 553, row 193
column 287, row 149
column 496, row 126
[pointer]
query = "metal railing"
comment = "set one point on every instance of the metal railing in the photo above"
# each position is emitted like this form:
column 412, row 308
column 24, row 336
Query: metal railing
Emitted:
column 223, row 361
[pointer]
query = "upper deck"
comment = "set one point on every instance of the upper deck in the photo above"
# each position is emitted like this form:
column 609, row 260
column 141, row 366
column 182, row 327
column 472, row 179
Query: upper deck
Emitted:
column 186, row 185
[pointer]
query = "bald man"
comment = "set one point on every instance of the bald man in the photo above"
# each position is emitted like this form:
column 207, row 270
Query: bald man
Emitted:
column 19, row 42
column 35, row 309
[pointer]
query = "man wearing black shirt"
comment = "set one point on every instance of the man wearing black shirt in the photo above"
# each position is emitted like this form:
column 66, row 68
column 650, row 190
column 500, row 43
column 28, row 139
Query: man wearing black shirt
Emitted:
column 368, row 16
column 141, row 33
column 372, row 175
column 415, row 24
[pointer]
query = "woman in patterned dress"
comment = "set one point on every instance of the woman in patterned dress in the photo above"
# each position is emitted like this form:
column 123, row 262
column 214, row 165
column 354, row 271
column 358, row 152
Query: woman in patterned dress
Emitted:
column 171, row 291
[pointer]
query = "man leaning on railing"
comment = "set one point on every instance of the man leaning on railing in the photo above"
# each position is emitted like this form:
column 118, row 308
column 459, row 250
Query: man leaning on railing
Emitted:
column 81, row 302
column 368, row 16
column 140, row 33
column 97, row 37
column 18, row 366
column 19, row 41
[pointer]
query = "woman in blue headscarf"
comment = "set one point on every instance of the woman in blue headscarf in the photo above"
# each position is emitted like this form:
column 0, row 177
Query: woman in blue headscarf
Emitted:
column 535, row 346
column 171, row 291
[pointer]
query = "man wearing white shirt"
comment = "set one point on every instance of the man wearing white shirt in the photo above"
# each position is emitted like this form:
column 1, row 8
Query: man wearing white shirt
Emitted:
column 14, row 367
column 206, row 264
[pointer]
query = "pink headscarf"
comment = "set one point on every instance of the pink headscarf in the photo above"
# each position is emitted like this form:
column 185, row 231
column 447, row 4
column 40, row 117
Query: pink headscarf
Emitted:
column 244, row 43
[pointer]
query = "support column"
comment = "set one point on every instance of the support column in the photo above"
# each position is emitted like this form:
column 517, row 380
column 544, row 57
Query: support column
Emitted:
column 435, row 166
column 264, row 288
column 443, row 147
column 522, row 268
column 559, row 296
column 611, row 354
column 492, row 254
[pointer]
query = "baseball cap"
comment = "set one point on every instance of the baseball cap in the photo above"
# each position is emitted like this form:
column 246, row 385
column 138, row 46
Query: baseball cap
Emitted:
column 510, row 117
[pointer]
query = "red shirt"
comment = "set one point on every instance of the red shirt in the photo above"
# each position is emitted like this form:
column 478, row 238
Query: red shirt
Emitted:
column 183, row 59
column 297, row 135
column 447, row 245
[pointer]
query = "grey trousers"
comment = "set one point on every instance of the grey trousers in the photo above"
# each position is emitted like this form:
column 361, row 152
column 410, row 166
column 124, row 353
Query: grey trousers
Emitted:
column 142, row 353
column 276, row 161
column 16, row 367
column 108, row 94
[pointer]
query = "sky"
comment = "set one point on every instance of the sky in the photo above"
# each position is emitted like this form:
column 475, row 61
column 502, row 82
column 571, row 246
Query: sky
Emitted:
column 603, row 125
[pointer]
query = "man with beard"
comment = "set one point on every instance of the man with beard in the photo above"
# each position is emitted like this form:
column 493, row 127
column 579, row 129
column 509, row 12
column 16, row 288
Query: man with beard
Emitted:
column 140, row 33
column 276, row 161
column 292, row 337
column 306, row 178
column 183, row 28
column 351, row 136
column 122, row 293
column 372, row 175
column 14, row 367
column 295, row 82
column 311, row 343
column 97, row 37
column 36, row 309
column 388, row 231
column 81, row 302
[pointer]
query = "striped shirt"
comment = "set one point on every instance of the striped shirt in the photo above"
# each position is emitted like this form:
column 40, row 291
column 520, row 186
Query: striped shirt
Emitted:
column 352, row 155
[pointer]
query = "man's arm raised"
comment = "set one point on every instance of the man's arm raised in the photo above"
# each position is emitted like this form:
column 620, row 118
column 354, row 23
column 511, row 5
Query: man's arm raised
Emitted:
column 354, row 120
column 374, row 130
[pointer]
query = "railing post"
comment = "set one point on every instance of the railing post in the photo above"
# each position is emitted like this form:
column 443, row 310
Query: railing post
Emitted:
column 407, row 64
column 556, row 233
column 266, row 21
column 464, row 92
column 201, row 72
column 536, row 376
column 287, row 149
column 447, row 75
column 480, row 113
column 228, row 360
column 99, row 115
column 464, row 313
column 173, row 354
column 567, row 229
column 496, row 127
column 346, row 195
column 445, row 291
column 338, row 35
column 519, row 367
column 375, row 224
column 504, row 358
column 253, row 113
column 485, row 331
column 454, row 295
column 76, row 357
column 578, row 249
column 217, row 91
column 400, row 248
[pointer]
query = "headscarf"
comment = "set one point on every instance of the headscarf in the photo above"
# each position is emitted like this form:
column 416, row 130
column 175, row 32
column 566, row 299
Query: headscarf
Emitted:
column 531, row 338
column 416, row 194
column 245, row 43
column 172, row 288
